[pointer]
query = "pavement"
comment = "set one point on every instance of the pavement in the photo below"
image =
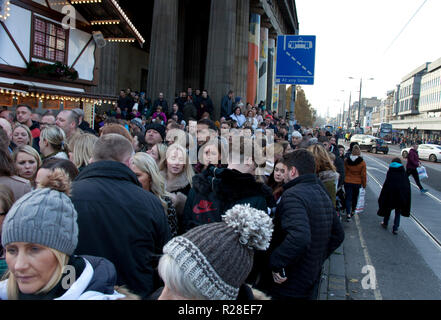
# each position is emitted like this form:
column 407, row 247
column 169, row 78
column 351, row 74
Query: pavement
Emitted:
column 333, row 279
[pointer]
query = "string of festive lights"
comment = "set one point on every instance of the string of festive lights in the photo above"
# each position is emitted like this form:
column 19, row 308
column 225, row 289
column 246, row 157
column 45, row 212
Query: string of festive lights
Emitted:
column 4, row 11
column 102, row 22
column 43, row 96
column 121, row 11
column 121, row 39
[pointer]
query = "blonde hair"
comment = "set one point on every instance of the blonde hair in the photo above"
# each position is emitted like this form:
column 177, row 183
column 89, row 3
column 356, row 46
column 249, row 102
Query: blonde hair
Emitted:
column 13, row 288
column 55, row 137
column 83, row 149
column 162, row 152
column 188, row 169
column 30, row 151
column 323, row 161
column 28, row 131
column 147, row 164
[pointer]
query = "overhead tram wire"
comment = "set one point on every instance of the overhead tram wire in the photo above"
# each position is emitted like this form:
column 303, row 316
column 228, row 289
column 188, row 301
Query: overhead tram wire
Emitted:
column 405, row 26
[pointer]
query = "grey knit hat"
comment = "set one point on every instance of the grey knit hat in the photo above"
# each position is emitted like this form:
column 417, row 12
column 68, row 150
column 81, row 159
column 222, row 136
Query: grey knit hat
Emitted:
column 218, row 257
column 43, row 216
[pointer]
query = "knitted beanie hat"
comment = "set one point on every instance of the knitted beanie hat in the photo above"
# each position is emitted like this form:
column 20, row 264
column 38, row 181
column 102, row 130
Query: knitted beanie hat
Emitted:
column 45, row 216
column 218, row 257
column 156, row 127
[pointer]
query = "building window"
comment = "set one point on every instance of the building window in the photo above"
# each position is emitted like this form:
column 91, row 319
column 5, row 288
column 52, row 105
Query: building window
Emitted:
column 49, row 41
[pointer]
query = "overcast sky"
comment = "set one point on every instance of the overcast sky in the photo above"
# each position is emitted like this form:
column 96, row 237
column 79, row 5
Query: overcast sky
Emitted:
column 352, row 41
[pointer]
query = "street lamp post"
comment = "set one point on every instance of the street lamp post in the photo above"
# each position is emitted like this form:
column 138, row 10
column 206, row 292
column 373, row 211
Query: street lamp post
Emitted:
column 359, row 100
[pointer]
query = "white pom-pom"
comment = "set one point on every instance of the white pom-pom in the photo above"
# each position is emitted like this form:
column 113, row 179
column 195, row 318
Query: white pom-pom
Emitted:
column 254, row 226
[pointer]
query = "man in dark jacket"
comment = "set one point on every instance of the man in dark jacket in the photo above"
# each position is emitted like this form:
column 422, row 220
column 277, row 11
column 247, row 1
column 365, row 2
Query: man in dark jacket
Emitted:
column 227, row 105
column 306, row 230
column 117, row 219
column 395, row 195
column 413, row 162
column 161, row 102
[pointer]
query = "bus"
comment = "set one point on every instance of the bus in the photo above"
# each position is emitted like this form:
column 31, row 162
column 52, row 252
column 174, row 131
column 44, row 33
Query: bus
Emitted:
column 329, row 128
column 385, row 132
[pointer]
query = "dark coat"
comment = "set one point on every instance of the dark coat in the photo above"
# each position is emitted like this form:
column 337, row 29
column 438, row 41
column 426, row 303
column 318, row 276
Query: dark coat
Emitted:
column 190, row 112
column 217, row 190
column 395, row 193
column 306, row 232
column 85, row 126
column 121, row 222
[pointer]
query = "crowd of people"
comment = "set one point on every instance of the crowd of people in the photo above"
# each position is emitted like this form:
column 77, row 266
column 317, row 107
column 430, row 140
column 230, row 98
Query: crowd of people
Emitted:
column 159, row 203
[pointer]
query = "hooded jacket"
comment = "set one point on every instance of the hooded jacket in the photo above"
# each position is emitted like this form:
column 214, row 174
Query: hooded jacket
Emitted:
column 95, row 279
column 395, row 193
column 355, row 171
column 120, row 221
column 217, row 190
column 330, row 180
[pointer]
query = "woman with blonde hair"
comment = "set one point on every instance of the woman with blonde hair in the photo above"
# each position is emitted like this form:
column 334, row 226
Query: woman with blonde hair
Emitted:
column 41, row 263
column 178, row 174
column 147, row 172
column 53, row 143
column 21, row 135
column 159, row 153
column 83, row 150
column 27, row 161
column 325, row 169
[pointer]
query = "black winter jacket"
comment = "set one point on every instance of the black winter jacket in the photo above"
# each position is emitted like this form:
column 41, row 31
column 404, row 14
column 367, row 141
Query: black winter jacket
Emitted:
column 217, row 190
column 306, row 231
column 395, row 193
column 120, row 221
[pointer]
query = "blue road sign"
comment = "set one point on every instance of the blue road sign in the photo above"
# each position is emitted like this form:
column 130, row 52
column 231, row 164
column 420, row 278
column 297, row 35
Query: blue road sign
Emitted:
column 295, row 60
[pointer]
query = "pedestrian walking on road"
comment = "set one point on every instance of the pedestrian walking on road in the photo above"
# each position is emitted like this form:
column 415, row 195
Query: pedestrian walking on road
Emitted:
column 395, row 195
column 355, row 178
column 413, row 162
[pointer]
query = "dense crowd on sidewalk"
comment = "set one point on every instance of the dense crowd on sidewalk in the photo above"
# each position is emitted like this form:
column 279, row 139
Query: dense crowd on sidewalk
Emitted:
column 162, row 201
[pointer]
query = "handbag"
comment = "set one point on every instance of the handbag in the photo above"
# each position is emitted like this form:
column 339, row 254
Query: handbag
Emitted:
column 422, row 173
column 360, row 203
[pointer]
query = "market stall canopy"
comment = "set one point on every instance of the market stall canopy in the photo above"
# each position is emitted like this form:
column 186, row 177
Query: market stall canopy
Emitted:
column 107, row 17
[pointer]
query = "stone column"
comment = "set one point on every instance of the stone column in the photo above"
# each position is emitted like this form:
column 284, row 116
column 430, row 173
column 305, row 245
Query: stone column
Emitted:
column 263, row 66
column 180, row 62
column 253, row 58
column 163, row 48
column 282, row 100
column 221, row 51
column 270, row 74
column 242, row 32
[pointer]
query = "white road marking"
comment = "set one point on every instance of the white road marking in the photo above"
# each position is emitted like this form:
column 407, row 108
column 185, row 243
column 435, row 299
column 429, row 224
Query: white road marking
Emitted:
column 367, row 257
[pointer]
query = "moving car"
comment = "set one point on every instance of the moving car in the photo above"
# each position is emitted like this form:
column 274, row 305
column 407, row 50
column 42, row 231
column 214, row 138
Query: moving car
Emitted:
column 431, row 152
column 370, row 143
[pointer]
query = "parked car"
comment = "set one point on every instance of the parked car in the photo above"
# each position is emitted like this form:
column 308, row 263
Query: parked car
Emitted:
column 431, row 152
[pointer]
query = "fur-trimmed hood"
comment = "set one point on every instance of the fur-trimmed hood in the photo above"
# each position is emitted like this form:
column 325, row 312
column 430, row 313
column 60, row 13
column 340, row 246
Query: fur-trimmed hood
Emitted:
column 229, row 184
column 354, row 163
column 328, row 175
